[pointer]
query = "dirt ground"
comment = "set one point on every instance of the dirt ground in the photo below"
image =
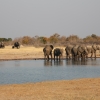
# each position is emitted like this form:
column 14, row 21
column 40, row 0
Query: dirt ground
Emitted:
column 23, row 53
column 79, row 89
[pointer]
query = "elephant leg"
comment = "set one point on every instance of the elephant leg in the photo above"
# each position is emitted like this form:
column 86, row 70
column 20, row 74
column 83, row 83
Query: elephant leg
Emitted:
column 82, row 56
column 44, row 56
column 59, row 57
column 54, row 57
column 95, row 54
column 72, row 56
column 91, row 54
column 86, row 56
column 48, row 57
column 75, row 57
column 66, row 56
column 69, row 56
column 51, row 55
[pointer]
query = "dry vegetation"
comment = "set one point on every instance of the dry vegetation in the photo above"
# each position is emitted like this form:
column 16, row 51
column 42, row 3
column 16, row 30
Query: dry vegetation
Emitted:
column 80, row 89
column 22, row 53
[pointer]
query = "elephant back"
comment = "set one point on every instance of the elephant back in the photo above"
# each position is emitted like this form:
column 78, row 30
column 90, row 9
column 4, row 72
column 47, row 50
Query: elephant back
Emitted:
column 89, row 48
column 16, row 44
column 51, row 46
column 58, row 51
column 68, row 48
column 82, row 49
column 48, row 49
column 96, row 47
column 75, row 49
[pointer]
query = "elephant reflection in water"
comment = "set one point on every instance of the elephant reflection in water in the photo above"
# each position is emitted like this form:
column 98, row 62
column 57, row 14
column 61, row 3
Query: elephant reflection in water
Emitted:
column 58, row 62
column 79, row 62
column 68, row 62
column 76, row 62
column 47, row 63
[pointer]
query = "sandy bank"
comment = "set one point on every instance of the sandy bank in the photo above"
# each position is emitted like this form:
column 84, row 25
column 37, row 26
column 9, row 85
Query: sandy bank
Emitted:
column 80, row 89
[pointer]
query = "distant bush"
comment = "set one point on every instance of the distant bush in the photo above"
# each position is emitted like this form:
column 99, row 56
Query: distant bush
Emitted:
column 54, row 39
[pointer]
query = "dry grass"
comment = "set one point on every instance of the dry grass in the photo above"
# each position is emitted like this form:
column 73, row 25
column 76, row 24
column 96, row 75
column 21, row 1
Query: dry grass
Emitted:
column 81, row 89
column 26, row 53
column 22, row 53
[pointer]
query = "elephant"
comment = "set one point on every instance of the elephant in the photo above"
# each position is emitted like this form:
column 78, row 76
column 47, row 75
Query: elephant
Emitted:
column 74, row 51
column 82, row 51
column 92, row 49
column 58, row 53
column 2, row 45
column 68, row 51
column 48, row 51
column 17, row 45
column 79, row 51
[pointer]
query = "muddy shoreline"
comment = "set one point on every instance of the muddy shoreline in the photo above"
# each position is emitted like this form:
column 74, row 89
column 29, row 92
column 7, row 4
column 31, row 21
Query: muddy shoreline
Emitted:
column 37, row 59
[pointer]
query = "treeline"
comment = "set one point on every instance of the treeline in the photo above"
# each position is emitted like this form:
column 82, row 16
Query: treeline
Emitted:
column 5, row 39
column 54, row 39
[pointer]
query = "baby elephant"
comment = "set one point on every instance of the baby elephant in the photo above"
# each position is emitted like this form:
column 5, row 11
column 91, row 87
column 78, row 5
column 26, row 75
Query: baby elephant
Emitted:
column 58, row 53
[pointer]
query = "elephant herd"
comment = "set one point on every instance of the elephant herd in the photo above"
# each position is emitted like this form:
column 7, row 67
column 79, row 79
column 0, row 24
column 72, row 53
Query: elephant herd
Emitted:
column 75, row 52
column 16, row 45
column 48, row 51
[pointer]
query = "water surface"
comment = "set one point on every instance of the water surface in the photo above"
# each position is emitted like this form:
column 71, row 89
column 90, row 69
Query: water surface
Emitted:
column 22, row 71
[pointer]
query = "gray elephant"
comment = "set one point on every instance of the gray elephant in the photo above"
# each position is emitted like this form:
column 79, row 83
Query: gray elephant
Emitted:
column 16, row 45
column 68, row 50
column 82, row 51
column 2, row 45
column 92, row 49
column 75, row 52
column 58, row 53
column 79, row 51
column 48, row 51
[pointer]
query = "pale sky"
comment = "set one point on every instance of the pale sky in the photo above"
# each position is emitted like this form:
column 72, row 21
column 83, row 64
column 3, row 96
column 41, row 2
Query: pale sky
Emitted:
column 20, row 18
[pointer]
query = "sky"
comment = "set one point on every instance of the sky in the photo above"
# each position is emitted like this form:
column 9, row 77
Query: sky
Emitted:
column 20, row 18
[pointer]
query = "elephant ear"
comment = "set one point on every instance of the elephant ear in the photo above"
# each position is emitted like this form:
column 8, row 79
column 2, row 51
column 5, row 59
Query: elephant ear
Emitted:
column 43, row 49
column 51, row 46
